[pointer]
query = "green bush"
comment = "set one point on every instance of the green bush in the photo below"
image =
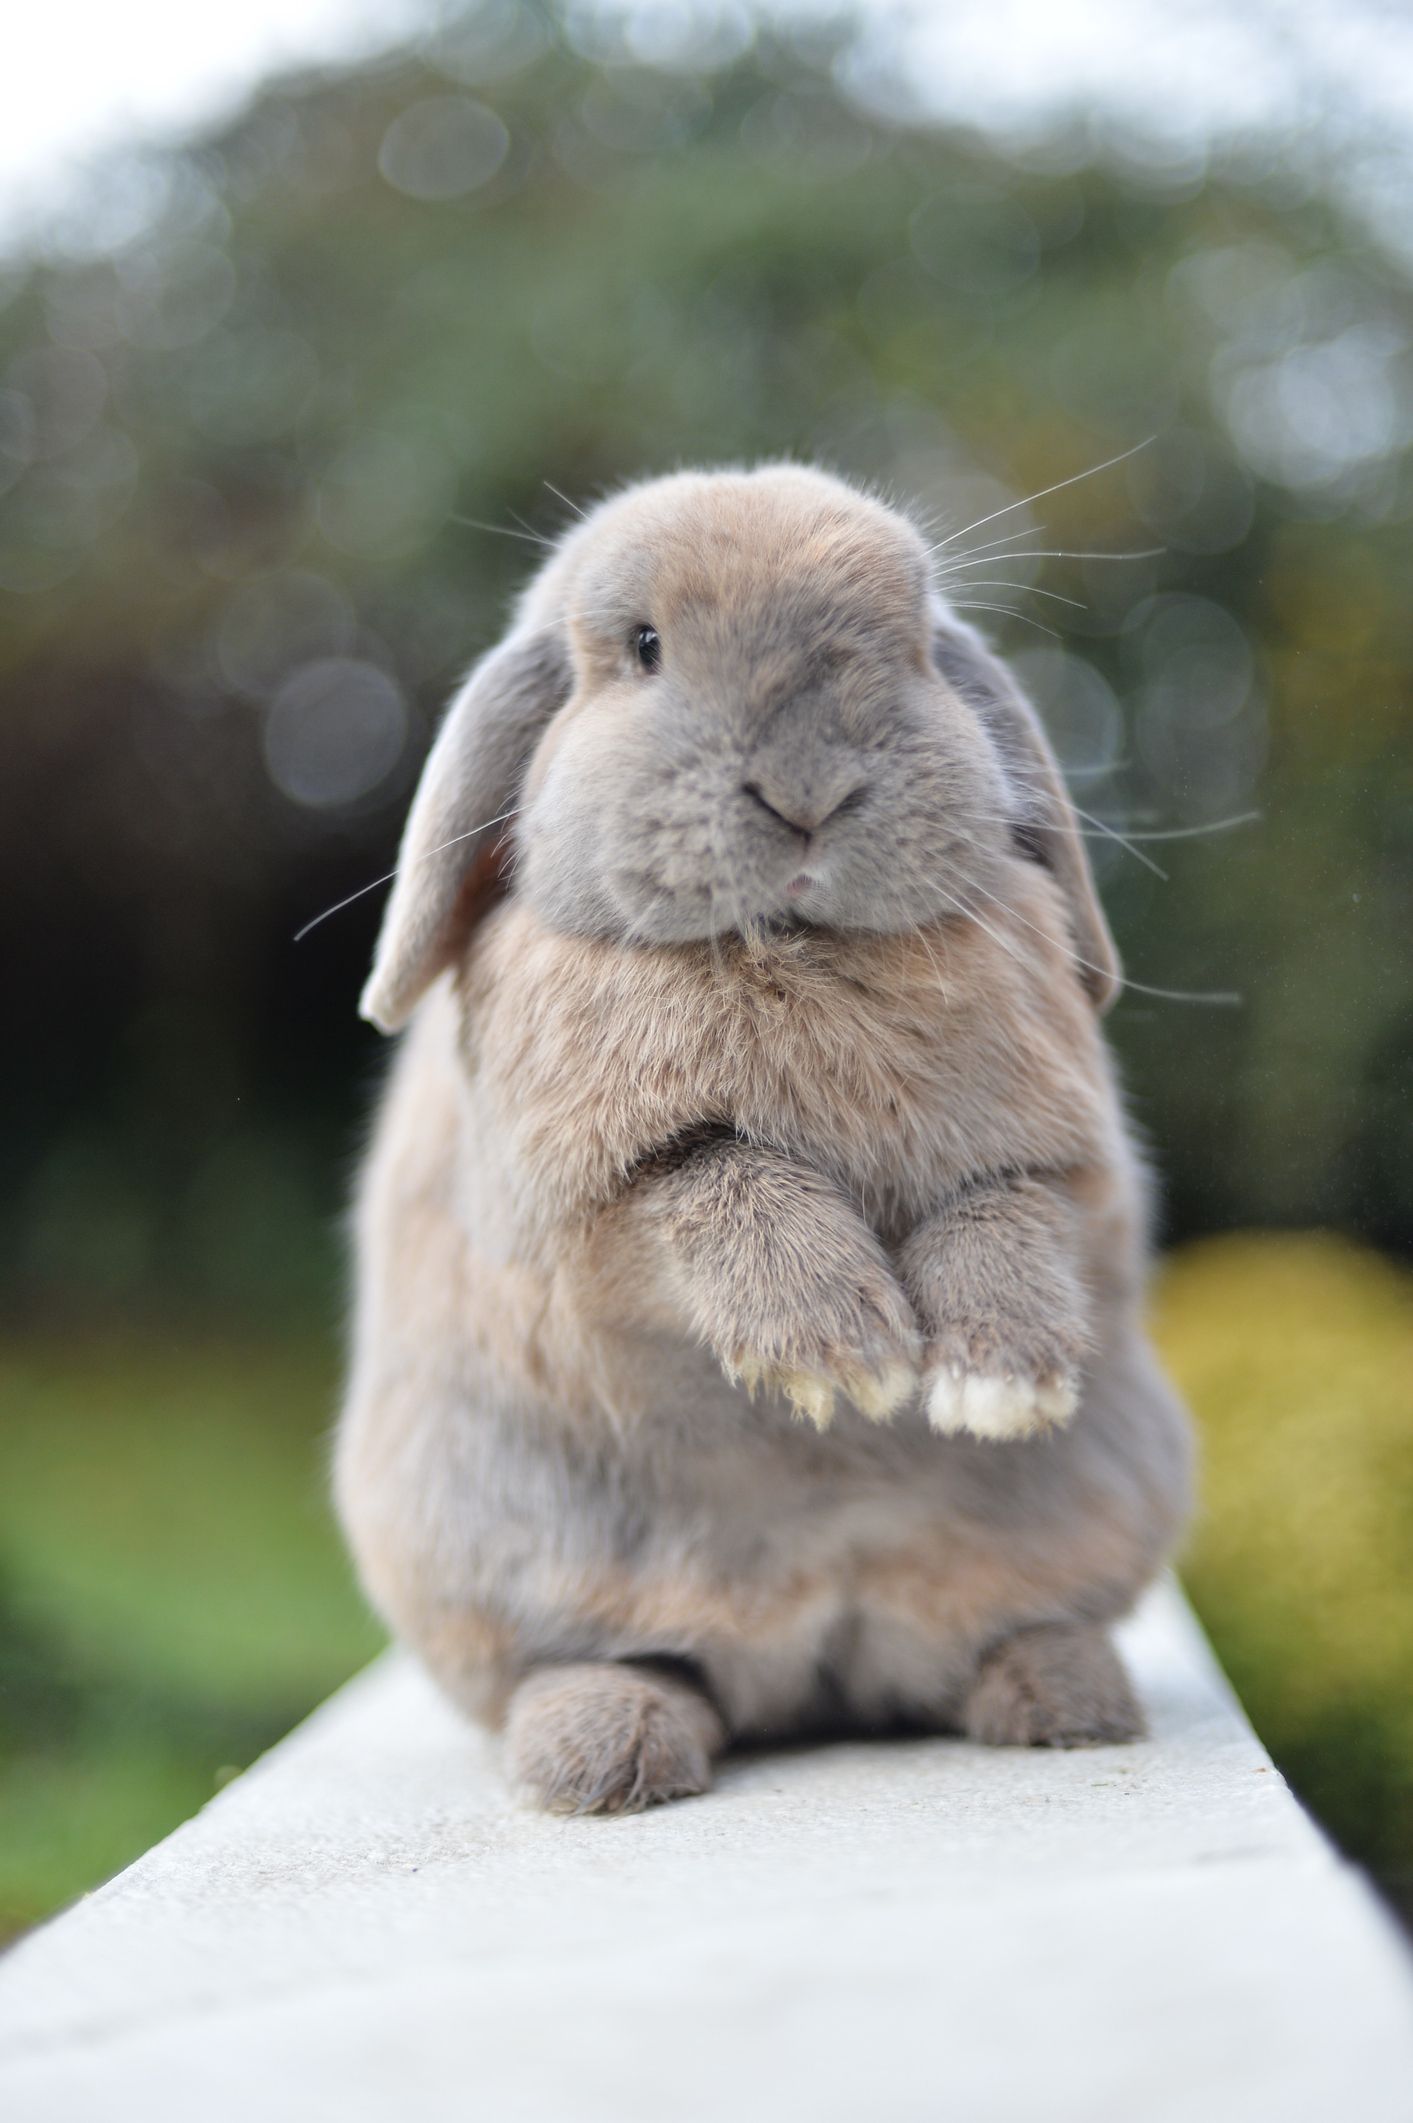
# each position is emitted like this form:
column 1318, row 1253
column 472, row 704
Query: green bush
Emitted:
column 172, row 1592
column 1296, row 1353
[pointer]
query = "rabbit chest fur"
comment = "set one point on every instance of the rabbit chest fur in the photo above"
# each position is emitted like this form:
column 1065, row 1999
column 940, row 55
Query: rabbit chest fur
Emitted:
column 903, row 1065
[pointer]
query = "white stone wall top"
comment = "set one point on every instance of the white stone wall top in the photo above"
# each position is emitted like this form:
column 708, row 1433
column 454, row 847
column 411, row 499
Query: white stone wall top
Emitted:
column 365, row 1928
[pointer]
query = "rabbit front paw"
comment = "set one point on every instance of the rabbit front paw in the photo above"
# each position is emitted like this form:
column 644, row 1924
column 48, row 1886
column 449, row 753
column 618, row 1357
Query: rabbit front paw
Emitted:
column 860, row 1345
column 783, row 1281
column 1000, row 1386
column 1004, row 1307
column 877, row 1391
column 998, row 1404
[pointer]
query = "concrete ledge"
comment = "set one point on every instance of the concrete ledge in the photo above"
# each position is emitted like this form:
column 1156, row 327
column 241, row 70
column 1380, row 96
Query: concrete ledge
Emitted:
column 364, row 1928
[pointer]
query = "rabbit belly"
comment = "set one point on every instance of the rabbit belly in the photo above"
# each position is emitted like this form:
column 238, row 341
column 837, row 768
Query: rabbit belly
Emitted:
column 855, row 1579
column 882, row 1611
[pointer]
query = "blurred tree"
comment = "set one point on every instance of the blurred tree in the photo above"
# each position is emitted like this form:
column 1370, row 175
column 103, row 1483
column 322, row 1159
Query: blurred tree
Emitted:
column 253, row 422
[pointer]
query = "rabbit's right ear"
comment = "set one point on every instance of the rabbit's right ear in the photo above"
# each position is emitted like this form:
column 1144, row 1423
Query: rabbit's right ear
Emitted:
column 470, row 783
column 1045, row 822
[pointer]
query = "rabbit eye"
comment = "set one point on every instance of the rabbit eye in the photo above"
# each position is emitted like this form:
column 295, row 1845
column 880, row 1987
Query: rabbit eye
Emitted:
column 647, row 647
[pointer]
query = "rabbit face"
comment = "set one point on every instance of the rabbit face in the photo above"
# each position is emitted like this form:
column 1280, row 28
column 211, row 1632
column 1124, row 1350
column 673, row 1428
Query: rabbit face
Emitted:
column 757, row 733
column 731, row 700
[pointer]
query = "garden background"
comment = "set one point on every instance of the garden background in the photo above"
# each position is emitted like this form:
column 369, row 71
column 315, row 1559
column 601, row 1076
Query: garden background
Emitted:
column 280, row 407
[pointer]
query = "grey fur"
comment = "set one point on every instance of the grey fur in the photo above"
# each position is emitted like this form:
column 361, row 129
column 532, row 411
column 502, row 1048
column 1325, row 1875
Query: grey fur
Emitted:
column 609, row 1739
column 1052, row 1686
column 469, row 785
column 686, row 1150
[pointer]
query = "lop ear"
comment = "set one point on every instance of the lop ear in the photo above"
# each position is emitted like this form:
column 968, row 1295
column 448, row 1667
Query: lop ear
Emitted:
column 1045, row 822
column 449, row 859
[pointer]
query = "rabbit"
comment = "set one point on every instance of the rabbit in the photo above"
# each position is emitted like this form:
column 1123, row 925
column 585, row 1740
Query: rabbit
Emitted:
column 750, row 1251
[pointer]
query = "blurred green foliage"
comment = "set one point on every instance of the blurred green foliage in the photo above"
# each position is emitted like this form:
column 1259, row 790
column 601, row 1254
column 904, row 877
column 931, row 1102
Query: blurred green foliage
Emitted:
column 247, row 437
column 173, row 1596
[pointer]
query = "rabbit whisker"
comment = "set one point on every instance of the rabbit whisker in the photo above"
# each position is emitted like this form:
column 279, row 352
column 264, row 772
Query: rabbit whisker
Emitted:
column 1101, row 825
column 969, row 913
column 1041, row 492
column 502, row 530
column 932, row 959
column 565, row 499
column 973, row 605
column 529, row 529
column 976, row 556
column 364, row 890
column 1217, row 997
column 1092, row 769
column 998, row 545
column 1215, row 825
column 1105, row 832
column 1104, row 825
column 995, row 582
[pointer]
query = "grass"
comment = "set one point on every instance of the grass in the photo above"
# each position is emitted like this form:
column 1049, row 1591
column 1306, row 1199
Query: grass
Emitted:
column 172, row 1591
column 173, row 1595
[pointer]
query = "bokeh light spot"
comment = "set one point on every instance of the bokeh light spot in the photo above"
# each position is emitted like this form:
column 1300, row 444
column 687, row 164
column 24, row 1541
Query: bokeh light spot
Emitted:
column 335, row 729
column 443, row 147
column 271, row 623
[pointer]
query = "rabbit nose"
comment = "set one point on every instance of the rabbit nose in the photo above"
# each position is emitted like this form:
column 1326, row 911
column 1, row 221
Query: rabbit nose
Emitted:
column 797, row 812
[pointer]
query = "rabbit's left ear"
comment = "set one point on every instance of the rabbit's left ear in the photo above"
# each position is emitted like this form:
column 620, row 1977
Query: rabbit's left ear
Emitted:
column 1045, row 821
column 447, row 865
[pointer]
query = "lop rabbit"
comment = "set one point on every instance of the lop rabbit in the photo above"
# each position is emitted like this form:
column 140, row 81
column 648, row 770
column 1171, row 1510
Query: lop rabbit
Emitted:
column 751, row 1250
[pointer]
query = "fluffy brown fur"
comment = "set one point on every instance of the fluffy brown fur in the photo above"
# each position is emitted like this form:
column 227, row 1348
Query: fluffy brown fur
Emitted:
column 751, row 1251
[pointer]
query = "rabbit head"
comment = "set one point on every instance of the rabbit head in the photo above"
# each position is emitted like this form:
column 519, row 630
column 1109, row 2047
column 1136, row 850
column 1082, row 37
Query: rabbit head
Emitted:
column 732, row 700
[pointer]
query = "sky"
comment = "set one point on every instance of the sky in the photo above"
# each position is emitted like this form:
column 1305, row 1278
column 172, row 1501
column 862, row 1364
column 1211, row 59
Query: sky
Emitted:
column 91, row 75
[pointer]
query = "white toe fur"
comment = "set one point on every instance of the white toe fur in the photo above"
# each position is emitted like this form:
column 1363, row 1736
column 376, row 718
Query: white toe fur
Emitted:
column 987, row 1405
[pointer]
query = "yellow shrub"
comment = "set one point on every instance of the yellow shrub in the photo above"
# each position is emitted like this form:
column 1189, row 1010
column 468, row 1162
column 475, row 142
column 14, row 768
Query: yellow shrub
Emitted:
column 1296, row 1353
